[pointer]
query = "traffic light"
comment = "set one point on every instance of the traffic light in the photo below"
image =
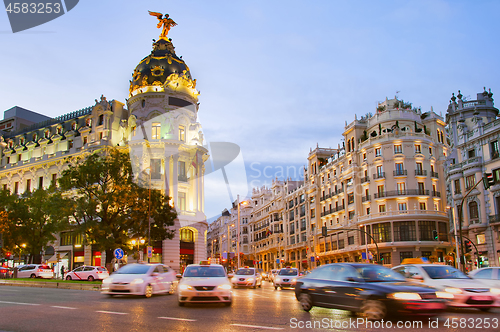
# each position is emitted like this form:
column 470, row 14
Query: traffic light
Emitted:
column 467, row 246
column 488, row 180
column 324, row 231
column 435, row 235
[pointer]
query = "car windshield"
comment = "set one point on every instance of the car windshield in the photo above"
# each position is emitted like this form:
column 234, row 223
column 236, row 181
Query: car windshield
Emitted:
column 134, row 269
column 375, row 273
column 444, row 272
column 204, row 271
column 245, row 272
column 288, row 272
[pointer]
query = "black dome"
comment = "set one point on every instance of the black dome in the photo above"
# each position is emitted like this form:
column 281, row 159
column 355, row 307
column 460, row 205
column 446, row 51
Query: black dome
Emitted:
column 158, row 66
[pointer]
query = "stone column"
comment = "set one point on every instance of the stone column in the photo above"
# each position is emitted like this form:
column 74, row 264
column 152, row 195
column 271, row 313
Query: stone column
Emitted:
column 171, row 249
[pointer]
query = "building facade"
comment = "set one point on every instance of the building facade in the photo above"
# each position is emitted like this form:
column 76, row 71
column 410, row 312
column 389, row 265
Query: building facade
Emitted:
column 474, row 132
column 157, row 126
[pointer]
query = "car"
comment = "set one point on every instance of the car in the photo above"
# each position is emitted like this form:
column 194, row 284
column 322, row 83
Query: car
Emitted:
column 368, row 289
column 35, row 271
column 488, row 275
column 264, row 275
column 247, row 277
column 141, row 279
column 5, row 272
column 89, row 273
column 462, row 289
column 204, row 283
column 272, row 274
column 286, row 278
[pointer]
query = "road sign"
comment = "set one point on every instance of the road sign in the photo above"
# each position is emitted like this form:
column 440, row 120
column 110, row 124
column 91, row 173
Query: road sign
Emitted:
column 118, row 253
column 150, row 251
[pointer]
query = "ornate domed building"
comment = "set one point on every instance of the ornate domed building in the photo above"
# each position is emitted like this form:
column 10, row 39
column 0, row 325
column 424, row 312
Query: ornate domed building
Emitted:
column 158, row 125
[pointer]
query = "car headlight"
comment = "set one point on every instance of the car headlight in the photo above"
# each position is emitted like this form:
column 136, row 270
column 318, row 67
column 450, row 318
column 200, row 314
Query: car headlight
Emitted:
column 278, row 279
column 107, row 280
column 294, row 279
column 453, row 290
column 444, row 295
column 404, row 296
column 224, row 286
column 250, row 279
column 137, row 281
column 185, row 287
column 495, row 291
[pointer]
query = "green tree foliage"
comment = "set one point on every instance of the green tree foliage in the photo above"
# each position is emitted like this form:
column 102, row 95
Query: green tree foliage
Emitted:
column 31, row 220
column 107, row 204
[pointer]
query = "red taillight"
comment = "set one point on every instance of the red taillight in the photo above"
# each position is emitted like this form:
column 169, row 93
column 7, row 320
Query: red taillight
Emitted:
column 39, row 270
column 99, row 271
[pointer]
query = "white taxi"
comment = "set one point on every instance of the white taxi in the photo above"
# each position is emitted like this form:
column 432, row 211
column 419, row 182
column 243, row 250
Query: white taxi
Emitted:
column 247, row 277
column 286, row 277
column 141, row 279
column 460, row 289
column 205, row 283
column 89, row 273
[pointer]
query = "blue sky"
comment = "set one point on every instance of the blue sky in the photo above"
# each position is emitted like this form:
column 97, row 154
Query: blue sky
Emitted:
column 276, row 77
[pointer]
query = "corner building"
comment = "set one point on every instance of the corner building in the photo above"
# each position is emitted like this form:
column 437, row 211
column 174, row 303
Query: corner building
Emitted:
column 157, row 126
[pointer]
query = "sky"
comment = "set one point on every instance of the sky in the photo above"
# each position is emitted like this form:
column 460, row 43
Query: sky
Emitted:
column 276, row 77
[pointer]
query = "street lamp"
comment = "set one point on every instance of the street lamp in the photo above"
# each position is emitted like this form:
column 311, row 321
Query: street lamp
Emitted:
column 140, row 241
column 238, row 231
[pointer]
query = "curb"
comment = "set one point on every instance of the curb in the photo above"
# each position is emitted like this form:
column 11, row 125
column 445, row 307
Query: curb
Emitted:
column 61, row 285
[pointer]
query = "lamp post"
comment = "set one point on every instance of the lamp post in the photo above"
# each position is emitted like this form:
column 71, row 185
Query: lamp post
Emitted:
column 140, row 241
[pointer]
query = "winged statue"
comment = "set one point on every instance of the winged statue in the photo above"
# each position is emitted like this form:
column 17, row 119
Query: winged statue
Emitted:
column 166, row 22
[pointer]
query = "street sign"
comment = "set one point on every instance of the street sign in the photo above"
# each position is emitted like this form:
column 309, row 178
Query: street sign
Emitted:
column 150, row 251
column 118, row 253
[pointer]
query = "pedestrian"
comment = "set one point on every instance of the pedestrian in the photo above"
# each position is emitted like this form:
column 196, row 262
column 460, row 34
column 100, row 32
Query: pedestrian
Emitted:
column 62, row 271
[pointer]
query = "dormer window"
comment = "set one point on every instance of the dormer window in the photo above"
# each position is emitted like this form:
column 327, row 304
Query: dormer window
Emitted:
column 11, row 144
column 34, row 137
column 59, row 130
column 73, row 126
column 21, row 140
column 88, row 123
column 46, row 134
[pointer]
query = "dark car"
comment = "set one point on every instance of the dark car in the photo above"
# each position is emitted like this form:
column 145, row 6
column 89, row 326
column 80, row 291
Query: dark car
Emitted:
column 368, row 289
column 5, row 272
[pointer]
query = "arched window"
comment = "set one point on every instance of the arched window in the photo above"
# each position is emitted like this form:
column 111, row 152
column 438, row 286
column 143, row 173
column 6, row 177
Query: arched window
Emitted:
column 46, row 134
column 59, row 130
column 186, row 235
column 101, row 120
column 473, row 212
column 34, row 137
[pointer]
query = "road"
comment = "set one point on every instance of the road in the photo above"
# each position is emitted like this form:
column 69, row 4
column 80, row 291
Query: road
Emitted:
column 42, row 309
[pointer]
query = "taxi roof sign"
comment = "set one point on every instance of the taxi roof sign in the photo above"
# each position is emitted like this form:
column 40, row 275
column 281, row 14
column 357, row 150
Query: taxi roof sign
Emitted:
column 205, row 262
column 419, row 260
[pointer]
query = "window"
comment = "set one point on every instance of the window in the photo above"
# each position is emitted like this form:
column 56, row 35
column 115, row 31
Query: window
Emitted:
column 351, row 215
column 473, row 212
column 155, row 169
column 367, row 211
column 382, row 232
column 16, row 188
column 182, row 134
column 380, row 191
column 470, row 181
column 378, row 152
column 430, row 150
column 421, row 188
column 66, row 239
column 419, row 169
column 457, row 186
column 404, row 231
column 425, row 229
column 85, row 140
column 484, row 274
column 101, row 135
column 402, row 206
column 471, row 153
column 418, row 148
column 100, row 122
column 399, row 169
column 40, row 182
column 182, row 201
column 28, row 185
column 381, row 208
column 54, row 179
column 494, row 149
column 313, row 215
column 350, row 198
column 380, row 172
column 350, row 240
column 156, row 130
column 186, row 235
column 182, row 171
column 422, row 206
column 398, row 148
column 364, row 155
column 401, row 188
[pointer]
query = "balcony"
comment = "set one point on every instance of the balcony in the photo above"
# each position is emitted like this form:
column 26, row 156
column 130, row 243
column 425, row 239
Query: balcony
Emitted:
column 380, row 175
column 434, row 175
column 420, row 172
column 436, row 194
column 400, row 172
column 406, row 192
column 182, row 178
column 365, row 179
column 365, row 198
column 494, row 218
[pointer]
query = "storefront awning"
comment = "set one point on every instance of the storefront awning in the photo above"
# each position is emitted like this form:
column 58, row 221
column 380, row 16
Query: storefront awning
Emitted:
column 53, row 259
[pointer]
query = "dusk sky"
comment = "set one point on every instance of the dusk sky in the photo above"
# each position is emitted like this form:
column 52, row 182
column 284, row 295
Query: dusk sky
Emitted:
column 276, row 77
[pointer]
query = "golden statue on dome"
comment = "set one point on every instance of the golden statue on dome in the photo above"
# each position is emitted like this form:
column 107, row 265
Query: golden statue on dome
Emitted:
column 166, row 22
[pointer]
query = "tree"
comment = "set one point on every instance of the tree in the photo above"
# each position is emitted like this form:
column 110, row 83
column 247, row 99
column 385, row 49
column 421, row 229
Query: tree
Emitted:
column 31, row 220
column 109, row 207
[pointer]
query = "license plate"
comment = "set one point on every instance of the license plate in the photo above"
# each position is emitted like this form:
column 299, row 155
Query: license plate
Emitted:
column 204, row 294
column 432, row 306
column 241, row 282
column 480, row 298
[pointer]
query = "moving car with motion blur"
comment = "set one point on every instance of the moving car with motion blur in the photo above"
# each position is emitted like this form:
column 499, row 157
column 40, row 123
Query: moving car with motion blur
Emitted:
column 370, row 290
column 462, row 290
column 141, row 279
column 89, row 273
column 489, row 276
column 247, row 277
column 6, row 272
column 205, row 283
column 286, row 278
column 272, row 274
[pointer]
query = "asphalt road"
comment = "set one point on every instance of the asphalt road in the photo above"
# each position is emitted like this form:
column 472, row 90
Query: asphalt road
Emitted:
column 42, row 309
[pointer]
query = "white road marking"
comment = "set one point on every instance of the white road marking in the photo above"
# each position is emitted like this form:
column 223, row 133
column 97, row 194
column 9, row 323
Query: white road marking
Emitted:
column 183, row 319
column 60, row 307
column 9, row 290
column 259, row 327
column 19, row 303
column 112, row 312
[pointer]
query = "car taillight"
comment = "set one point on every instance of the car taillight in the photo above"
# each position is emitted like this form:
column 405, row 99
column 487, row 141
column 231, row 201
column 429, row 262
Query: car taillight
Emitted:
column 39, row 270
column 99, row 271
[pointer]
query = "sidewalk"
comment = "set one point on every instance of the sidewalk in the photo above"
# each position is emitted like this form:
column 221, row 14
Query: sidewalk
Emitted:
column 49, row 284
